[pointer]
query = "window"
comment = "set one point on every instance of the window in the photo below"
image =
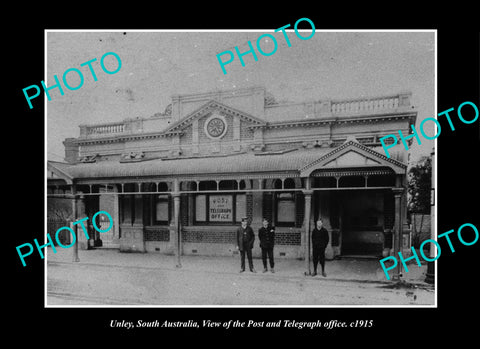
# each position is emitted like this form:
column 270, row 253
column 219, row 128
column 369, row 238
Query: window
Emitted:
column 162, row 209
column 286, row 209
column 201, row 208
column 127, row 210
column 219, row 208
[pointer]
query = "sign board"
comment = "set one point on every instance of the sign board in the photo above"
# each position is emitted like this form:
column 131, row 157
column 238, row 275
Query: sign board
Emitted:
column 220, row 208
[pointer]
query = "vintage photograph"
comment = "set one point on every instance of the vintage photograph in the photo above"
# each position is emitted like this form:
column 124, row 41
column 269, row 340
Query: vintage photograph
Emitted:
column 175, row 178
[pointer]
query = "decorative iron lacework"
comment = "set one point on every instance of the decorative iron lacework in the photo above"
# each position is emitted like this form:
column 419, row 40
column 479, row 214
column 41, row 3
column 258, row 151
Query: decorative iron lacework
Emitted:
column 353, row 172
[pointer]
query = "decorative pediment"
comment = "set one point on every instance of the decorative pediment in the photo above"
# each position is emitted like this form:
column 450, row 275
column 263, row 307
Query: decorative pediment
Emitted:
column 210, row 107
column 351, row 158
column 353, row 154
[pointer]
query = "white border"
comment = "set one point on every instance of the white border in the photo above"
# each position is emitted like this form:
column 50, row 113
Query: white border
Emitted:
column 46, row 31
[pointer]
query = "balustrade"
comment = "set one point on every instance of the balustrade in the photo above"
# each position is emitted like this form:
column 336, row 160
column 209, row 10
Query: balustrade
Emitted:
column 105, row 129
column 365, row 105
column 352, row 106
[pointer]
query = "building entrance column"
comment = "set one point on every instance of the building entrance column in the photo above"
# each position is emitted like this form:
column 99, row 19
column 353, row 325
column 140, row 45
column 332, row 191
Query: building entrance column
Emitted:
column 80, row 213
column 430, row 276
column 74, row 227
column 306, row 228
column 397, row 240
column 177, row 231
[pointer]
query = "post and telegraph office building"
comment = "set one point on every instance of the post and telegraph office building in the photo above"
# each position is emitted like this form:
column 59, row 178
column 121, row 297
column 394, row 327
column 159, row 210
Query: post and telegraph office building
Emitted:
column 180, row 181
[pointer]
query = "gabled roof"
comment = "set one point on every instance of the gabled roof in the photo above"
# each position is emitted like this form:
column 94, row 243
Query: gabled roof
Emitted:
column 207, row 108
column 352, row 154
column 58, row 168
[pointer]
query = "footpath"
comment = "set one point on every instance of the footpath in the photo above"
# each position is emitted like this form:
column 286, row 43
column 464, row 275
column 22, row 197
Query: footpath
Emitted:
column 347, row 269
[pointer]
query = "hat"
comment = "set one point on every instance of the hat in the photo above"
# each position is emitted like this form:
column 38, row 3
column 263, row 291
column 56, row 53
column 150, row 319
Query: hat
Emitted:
column 244, row 219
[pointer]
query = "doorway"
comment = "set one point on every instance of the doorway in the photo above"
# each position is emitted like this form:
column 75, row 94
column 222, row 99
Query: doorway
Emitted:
column 362, row 222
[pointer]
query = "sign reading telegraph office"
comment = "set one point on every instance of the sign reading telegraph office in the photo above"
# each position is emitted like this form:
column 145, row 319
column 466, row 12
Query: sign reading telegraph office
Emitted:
column 220, row 208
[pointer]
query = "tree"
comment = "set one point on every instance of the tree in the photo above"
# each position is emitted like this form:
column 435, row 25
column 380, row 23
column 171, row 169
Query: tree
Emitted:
column 419, row 186
column 418, row 198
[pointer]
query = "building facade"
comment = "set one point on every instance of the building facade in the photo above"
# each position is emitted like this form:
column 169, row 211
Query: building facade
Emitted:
column 180, row 181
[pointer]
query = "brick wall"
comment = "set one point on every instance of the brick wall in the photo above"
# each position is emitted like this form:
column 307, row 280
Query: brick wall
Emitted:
column 186, row 139
column 285, row 236
column 156, row 234
column 245, row 133
column 184, row 210
column 249, row 208
column 289, row 237
column 212, row 236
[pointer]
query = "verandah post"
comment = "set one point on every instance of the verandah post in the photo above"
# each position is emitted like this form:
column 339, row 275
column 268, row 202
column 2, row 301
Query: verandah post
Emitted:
column 397, row 242
column 177, row 228
column 74, row 226
column 306, row 224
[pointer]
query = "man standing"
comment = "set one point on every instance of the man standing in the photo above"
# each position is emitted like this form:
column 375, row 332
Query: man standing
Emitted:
column 245, row 238
column 266, row 234
column 319, row 243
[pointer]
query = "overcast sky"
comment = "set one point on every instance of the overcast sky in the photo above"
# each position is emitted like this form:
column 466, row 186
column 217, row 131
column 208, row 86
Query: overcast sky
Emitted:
column 157, row 65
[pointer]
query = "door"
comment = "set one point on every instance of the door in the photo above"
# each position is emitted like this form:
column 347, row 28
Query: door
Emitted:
column 362, row 223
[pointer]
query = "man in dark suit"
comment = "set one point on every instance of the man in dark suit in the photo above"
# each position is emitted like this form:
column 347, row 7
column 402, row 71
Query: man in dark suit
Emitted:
column 266, row 234
column 319, row 243
column 245, row 238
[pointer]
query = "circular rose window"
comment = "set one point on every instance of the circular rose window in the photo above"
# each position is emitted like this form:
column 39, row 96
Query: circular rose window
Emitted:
column 215, row 126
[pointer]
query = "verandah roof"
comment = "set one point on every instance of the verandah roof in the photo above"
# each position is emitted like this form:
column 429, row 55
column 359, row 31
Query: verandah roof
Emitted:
column 233, row 164
column 294, row 163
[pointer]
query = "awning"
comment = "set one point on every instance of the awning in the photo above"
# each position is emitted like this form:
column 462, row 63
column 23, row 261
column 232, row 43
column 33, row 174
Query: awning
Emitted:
column 296, row 163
